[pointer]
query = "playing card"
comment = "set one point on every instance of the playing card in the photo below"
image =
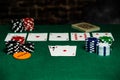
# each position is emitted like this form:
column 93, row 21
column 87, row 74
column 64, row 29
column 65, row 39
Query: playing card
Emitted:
column 58, row 37
column 79, row 36
column 100, row 34
column 37, row 37
column 62, row 50
column 10, row 35
column 87, row 27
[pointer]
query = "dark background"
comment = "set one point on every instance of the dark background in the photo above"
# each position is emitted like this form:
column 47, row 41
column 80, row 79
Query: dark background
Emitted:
column 61, row 11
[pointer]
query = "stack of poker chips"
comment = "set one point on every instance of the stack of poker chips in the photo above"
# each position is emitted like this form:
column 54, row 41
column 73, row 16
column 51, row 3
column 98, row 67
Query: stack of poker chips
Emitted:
column 106, row 39
column 101, row 46
column 17, row 25
column 28, row 47
column 103, row 49
column 20, row 25
column 91, row 44
column 12, row 47
column 28, row 23
column 17, row 44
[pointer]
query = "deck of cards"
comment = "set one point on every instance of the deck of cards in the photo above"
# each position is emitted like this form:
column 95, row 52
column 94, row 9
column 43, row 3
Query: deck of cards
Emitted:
column 86, row 27
column 62, row 50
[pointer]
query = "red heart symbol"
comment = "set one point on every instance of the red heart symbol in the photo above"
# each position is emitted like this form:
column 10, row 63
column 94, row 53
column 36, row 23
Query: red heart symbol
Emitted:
column 80, row 36
column 64, row 50
column 37, row 36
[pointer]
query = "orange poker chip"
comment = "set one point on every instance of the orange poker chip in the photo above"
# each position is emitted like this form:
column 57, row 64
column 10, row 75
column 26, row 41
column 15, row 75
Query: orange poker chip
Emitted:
column 21, row 55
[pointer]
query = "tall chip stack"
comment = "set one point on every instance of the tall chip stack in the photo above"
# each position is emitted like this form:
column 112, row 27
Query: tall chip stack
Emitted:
column 28, row 24
column 104, row 47
column 17, row 25
column 28, row 47
column 91, row 44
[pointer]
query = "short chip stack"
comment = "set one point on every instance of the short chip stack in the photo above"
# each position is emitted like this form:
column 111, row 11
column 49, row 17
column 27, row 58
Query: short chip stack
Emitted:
column 103, row 49
column 20, row 25
column 106, row 39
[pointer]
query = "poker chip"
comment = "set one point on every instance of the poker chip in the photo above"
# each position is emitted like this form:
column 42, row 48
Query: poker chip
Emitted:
column 103, row 49
column 20, row 39
column 28, row 24
column 28, row 47
column 106, row 39
column 17, row 25
column 21, row 55
column 12, row 47
column 20, row 25
column 15, row 46
column 91, row 44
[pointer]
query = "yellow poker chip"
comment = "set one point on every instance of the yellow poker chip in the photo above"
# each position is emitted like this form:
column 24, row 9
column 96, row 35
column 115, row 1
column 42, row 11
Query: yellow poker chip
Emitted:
column 21, row 55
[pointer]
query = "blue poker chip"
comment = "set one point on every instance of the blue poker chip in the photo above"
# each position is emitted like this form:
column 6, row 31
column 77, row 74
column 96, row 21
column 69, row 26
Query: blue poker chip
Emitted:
column 91, row 44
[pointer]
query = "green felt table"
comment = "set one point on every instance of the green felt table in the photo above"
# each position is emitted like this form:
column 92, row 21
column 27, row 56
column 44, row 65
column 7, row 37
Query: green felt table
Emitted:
column 42, row 66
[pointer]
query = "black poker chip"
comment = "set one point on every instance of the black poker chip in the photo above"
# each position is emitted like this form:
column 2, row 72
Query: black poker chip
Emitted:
column 17, row 25
column 12, row 47
column 28, row 47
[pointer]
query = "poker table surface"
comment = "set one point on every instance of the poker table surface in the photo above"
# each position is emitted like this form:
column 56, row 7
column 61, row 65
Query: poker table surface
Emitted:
column 43, row 66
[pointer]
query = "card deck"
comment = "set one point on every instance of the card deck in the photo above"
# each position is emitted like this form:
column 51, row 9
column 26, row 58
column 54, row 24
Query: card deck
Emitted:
column 10, row 35
column 58, row 37
column 62, row 50
column 79, row 36
column 37, row 37
column 100, row 34
column 87, row 27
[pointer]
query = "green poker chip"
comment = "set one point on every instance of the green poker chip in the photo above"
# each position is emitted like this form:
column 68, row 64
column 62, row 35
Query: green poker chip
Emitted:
column 106, row 39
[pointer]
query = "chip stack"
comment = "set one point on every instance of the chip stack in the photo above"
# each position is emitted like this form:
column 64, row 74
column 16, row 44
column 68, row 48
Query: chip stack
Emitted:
column 17, row 25
column 106, row 39
column 28, row 47
column 12, row 47
column 28, row 24
column 20, row 39
column 15, row 46
column 91, row 44
column 103, row 49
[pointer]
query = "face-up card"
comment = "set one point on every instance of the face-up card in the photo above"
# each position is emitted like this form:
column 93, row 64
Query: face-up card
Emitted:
column 37, row 37
column 58, row 37
column 97, row 35
column 10, row 35
column 60, row 50
column 79, row 36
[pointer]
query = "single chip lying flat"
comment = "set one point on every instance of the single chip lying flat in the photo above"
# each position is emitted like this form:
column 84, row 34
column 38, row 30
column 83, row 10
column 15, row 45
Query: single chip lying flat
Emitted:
column 21, row 55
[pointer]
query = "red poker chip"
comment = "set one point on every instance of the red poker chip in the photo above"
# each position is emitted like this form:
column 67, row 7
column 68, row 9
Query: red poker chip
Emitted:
column 28, row 24
column 20, row 39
